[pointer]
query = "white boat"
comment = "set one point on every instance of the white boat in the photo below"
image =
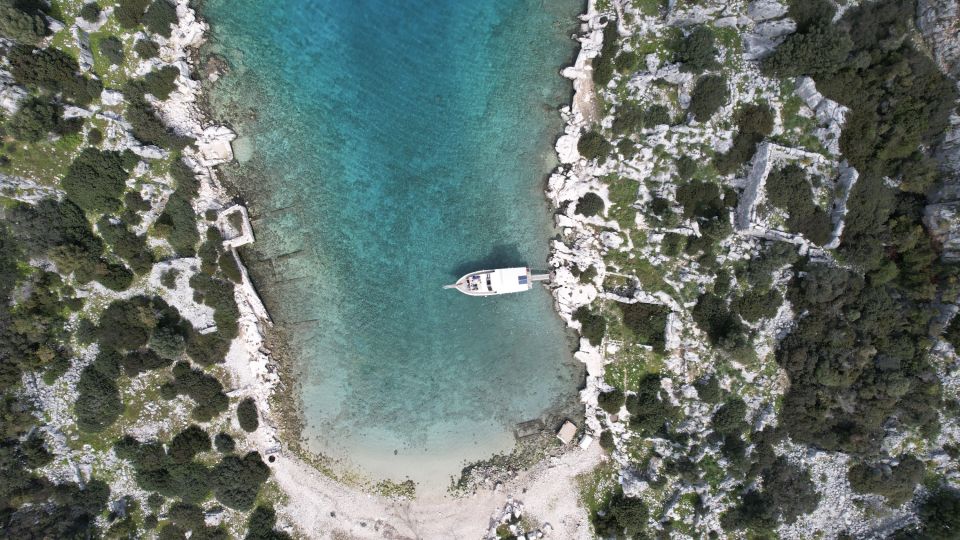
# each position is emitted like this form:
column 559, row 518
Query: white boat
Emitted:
column 499, row 281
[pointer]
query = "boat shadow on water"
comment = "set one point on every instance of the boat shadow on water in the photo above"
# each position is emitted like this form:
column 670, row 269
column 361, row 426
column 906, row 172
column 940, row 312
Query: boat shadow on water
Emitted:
column 500, row 256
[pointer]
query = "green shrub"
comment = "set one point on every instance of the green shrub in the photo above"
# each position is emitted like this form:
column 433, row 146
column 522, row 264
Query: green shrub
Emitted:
column 230, row 269
column 58, row 364
column 631, row 118
column 127, row 245
column 111, row 48
column 224, row 443
column 168, row 342
column 819, row 51
column 627, row 62
column 787, row 494
column 754, row 122
column 94, row 137
column 125, row 325
column 209, row 252
column 656, row 115
column 160, row 18
column 697, row 51
column 593, row 326
column 148, row 129
column 588, row 275
column 713, row 317
column 207, row 349
column 247, row 415
column 137, row 362
column 952, row 333
column 673, row 244
column 157, row 471
column 236, row 481
column 708, row 95
column 54, row 71
column 33, row 451
column 19, row 25
column 701, row 200
column 169, row 278
column 178, row 224
column 96, row 180
column 188, row 443
column 129, row 13
column 159, row 83
column 185, row 178
column 607, row 442
column 187, row 517
column 686, row 167
column 754, row 305
column 98, row 399
column 647, row 322
column 133, row 201
column 204, row 389
column 590, row 204
column 742, row 151
column 650, row 407
column 35, row 119
column 755, row 118
column 115, row 277
column 896, row 483
column 708, row 389
column 762, row 267
column 592, row 145
column 261, row 523
column 940, row 514
column 146, row 48
column 603, row 65
column 624, row 517
column 219, row 295
column 789, row 189
column 90, row 12
column 811, row 13
column 729, row 418
column 611, row 401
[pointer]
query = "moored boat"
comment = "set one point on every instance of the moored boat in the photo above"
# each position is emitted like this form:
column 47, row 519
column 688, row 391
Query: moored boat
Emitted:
column 494, row 282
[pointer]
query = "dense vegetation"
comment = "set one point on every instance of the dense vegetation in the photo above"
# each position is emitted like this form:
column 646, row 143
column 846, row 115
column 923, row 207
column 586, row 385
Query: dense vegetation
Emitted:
column 647, row 322
column 592, row 326
column 754, row 122
column 850, row 374
column 708, row 95
column 592, row 145
column 590, row 205
column 789, row 189
column 697, row 51
column 52, row 250
column 865, row 314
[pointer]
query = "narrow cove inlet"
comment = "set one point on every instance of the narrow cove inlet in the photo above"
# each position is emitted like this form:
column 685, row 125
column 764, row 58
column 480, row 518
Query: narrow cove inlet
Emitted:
column 386, row 149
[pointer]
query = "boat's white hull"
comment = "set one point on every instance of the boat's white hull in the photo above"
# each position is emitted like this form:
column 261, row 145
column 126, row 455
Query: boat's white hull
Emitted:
column 491, row 282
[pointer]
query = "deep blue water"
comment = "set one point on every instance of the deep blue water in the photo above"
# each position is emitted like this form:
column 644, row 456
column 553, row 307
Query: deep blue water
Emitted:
column 391, row 146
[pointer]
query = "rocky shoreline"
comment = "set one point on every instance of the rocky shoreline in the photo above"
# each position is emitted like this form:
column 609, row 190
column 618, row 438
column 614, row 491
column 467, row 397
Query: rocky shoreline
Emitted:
column 249, row 361
column 574, row 177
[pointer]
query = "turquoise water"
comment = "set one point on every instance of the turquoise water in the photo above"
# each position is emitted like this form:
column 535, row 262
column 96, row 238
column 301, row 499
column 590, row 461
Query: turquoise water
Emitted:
column 389, row 147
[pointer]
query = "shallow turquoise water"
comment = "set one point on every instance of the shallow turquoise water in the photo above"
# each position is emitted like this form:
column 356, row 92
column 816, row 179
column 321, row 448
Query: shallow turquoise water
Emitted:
column 395, row 146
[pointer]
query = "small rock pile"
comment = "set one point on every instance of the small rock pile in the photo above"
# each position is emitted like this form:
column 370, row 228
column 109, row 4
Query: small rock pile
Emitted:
column 507, row 524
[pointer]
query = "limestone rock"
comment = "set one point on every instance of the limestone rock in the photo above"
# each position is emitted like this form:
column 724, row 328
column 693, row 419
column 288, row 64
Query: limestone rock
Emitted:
column 939, row 22
column 213, row 145
column 762, row 10
column 11, row 94
column 111, row 97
